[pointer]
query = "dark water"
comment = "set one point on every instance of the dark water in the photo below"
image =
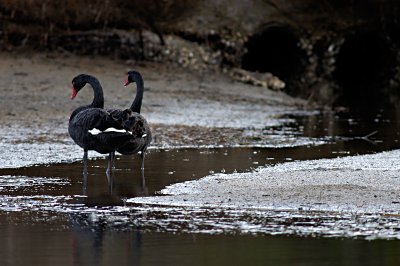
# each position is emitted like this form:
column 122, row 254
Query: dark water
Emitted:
column 55, row 235
column 39, row 245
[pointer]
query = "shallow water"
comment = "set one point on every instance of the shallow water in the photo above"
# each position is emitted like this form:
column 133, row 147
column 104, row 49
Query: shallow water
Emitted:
column 83, row 244
column 52, row 214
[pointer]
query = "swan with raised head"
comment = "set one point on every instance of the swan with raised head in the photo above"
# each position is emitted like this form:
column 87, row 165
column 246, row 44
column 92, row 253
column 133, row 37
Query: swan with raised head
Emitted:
column 134, row 121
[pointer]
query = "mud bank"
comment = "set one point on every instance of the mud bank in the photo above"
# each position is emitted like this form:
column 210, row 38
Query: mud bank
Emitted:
column 180, row 106
column 367, row 183
column 351, row 197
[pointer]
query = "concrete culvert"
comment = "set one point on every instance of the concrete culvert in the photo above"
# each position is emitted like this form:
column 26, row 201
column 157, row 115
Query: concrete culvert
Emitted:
column 364, row 66
column 276, row 50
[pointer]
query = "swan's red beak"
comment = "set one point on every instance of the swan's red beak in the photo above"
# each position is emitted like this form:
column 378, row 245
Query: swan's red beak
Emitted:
column 74, row 92
column 126, row 82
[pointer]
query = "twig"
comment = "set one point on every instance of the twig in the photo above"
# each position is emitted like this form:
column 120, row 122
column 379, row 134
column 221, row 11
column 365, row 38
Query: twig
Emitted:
column 366, row 137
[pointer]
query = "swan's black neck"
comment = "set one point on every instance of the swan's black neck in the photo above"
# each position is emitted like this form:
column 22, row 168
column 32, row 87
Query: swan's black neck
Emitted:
column 137, row 102
column 98, row 99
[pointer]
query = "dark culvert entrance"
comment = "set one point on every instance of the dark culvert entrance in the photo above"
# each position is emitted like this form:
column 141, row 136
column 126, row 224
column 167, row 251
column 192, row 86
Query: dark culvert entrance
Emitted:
column 364, row 66
column 276, row 50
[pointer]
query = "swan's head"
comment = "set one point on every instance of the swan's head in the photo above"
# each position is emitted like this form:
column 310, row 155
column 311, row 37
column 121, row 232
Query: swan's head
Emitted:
column 78, row 83
column 133, row 76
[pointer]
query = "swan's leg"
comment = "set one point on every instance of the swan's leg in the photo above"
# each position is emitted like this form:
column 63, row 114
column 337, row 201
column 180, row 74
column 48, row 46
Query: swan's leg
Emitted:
column 85, row 158
column 84, row 186
column 109, row 162
column 142, row 155
column 145, row 190
column 143, row 180
column 110, row 180
column 113, row 160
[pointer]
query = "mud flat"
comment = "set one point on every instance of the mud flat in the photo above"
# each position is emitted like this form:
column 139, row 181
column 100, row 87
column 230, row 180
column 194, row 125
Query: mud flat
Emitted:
column 355, row 196
column 183, row 108
column 352, row 197
column 368, row 183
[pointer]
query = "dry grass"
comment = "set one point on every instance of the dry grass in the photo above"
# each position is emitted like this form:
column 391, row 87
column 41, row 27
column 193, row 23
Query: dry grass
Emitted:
column 43, row 18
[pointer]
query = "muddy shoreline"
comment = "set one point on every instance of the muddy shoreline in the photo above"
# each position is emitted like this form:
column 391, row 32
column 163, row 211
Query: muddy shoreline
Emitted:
column 368, row 183
column 184, row 109
column 340, row 197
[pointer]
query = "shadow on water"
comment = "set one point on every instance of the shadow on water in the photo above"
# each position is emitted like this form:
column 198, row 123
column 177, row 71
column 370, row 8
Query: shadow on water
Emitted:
column 81, row 238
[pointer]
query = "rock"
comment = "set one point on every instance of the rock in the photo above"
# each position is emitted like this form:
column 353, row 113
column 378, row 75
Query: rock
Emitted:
column 258, row 79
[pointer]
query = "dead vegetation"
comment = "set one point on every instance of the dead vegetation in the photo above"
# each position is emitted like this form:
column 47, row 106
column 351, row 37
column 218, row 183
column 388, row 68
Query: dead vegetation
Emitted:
column 35, row 21
column 205, row 35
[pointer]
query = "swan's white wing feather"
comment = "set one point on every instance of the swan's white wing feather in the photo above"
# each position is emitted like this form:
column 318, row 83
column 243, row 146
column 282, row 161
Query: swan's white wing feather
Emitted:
column 95, row 131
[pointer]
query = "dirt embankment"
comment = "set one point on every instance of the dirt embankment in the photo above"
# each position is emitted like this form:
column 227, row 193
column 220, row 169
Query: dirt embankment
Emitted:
column 312, row 46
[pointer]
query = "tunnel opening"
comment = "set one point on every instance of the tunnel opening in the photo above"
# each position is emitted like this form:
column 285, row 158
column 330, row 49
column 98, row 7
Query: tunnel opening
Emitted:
column 364, row 66
column 276, row 50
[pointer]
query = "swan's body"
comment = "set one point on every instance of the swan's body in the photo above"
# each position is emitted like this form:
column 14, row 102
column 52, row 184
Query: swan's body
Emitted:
column 134, row 121
column 85, row 120
column 139, row 127
column 82, row 125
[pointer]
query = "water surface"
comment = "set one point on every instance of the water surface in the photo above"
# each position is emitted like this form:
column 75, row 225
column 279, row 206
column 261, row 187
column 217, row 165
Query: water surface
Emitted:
column 51, row 214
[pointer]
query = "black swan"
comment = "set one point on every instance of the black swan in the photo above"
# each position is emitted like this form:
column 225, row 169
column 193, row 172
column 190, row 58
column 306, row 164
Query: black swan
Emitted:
column 134, row 122
column 93, row 128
